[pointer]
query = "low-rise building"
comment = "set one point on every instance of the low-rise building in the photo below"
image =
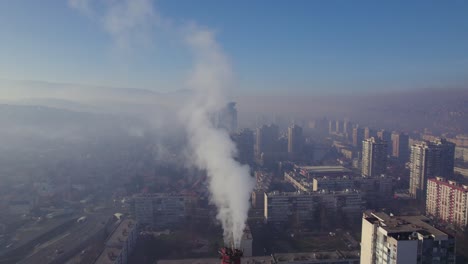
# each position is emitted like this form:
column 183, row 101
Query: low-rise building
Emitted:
column 300, row 207
column 333, row 183
column 318, row 171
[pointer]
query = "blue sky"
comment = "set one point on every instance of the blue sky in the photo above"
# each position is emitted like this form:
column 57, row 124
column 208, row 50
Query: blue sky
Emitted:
column 294, row 46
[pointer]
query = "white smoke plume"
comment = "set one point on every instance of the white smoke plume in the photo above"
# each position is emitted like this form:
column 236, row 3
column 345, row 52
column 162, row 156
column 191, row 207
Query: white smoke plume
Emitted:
column 211, row 148
column 229, row 181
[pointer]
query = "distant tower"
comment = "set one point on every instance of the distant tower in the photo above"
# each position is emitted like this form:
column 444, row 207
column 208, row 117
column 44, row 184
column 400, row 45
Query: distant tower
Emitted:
column 295, row 140
column 227, row 118
column 400, row 146
column 338, row 126
column 331, row 126
column 245, row 145
column 358, row 137
column 266, row 139
column 368, row 133
column 428, row 160
column 374, row 157
column 347, row 129
column 387, row 137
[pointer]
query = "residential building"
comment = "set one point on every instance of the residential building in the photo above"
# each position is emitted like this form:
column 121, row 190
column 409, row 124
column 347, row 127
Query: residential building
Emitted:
column 386, row 136
column 120, row 244
column 318, row 171
column 160, row 209
column 403, row 240
column 245, row 146
column 374, row 157
column 369, row 132
column 332, row 183
column 358, row 137
column 377, row 191
column 400, row 146
column 295, row 139
column 447, row 201
column 428, row 160
column 347, row 129
column 266, row 139
column 300, row 207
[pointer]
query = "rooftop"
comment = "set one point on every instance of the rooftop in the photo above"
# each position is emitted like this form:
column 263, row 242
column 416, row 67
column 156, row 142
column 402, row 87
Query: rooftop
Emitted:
column 317, row 193
column 404, row 224
column 323, row 169
column 450, row 183
column 115, row 242
column 120, row 234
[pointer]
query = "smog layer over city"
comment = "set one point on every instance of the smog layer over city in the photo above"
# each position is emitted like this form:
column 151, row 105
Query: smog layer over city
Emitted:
column 200, row 132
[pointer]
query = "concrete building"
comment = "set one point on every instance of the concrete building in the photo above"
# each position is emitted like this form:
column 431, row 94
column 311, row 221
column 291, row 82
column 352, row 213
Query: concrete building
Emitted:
column 374, row 157
column 266, row 139
column 347, row 129
column 257, row 197
column 461, row 153
column 429, row 159
column 403, row 240
column 347, row 153
column 358, row 137
column 369, row 132
column 332, row 183
column 295, row 139
column 245, row 146
column 120, row 244
column 318, row 171
column 246, row 242
column 386, row 136
column 377, row 191
column 447, row 201
column 160, row 210
column 290, row 207
column 298, row 181
column 400, row 146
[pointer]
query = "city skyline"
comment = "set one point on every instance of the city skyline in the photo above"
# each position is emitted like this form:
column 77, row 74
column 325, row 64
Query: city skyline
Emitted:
column 181, row 132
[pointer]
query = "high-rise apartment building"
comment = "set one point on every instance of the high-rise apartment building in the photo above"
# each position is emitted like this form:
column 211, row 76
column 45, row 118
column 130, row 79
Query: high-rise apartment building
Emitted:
column 160, row 209
column 387, row 137
column 358, row 137
column 400, row 146
column 368, row 133
column 347, row 129
column 245, row 146
column 338, row 126
column 266, row 139
column 447, row 201
column 295, row 140
column 374, row 157
column 403, row 240
column 428, row 160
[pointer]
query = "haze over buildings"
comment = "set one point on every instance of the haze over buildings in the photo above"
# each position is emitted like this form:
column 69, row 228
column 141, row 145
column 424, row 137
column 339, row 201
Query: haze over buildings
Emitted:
column 141, row 131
